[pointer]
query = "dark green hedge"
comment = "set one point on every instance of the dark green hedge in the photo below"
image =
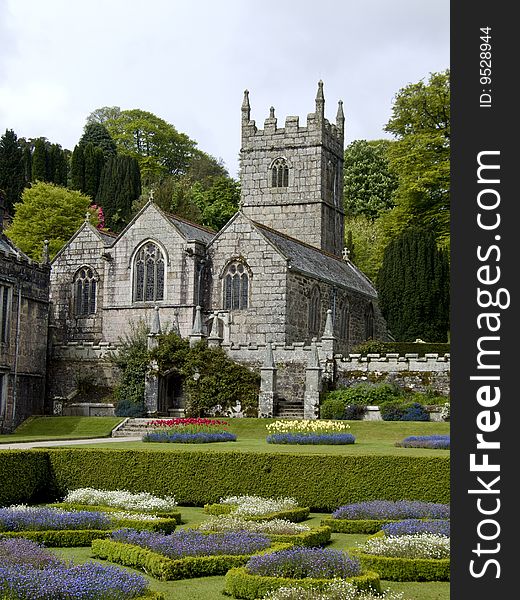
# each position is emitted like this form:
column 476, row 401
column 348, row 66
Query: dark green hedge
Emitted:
column 402, row 348
column 195, row 478
column 62, row 538
column 354, row 525
column 169, row 569
column 405, row 569
column 25, row 476
column 240, row 584
column 318, row 536
column 296, row 515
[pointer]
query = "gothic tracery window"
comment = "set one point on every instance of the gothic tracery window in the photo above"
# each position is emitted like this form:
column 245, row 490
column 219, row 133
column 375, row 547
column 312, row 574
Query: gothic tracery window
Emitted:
column 148, row 284
column 315, row 311
column 85, row 288
column 279, row 173
column 236, row 287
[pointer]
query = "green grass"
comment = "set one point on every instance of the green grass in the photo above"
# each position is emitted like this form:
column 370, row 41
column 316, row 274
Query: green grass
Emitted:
column 61, row 428
column 372, row 437
column 210, row 588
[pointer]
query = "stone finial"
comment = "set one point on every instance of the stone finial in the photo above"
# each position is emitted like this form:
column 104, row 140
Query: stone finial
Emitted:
column 269, row 358
column 345, row 253
column 340, row 118
column 150, row 196
column 155, row 329
column 320, row 101
column 197, row 322
column 314, row 359
column 271, row 112
column 246, row 108
column 45, row 253
column 214, row 339
column 87, row 216
column 328, row 332
column 176, row 328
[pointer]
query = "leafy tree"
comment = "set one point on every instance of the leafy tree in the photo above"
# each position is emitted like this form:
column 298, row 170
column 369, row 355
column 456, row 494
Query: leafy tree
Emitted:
column 366, row 240
column 101, row 115
column 369, row 184
column 413, row 286
column 177, row 195
column 47, row 212
column 119, row 186
column 220, row 202
column 97, row 135
column 205, row 168
column 421, row 156
column 12, row 170
column 158, row 147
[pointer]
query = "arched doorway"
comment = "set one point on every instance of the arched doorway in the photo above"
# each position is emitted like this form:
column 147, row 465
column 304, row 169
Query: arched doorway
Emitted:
column 171, row 401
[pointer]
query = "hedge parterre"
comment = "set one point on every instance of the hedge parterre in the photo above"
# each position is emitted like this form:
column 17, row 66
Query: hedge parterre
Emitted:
column 26, row 573
column 36, row 518
column 418, row 545
column 413, row 526
column 338, row 589
column 142, row 501
column 437, row 442
column 299, row 562
column 393, row 510
column 194, row 543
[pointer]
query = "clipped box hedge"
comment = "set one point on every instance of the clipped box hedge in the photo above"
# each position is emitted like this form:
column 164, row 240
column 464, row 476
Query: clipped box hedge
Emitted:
column 295, row 515
column 168, row 569
column 196, row 478
column 241, row 584
column 25, row 476
column 108, row 509
column 355, row 525
column 405, row 569
column 317, row 536
column 60, row 538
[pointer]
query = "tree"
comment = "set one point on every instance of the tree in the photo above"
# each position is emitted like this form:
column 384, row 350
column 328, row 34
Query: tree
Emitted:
column 413, row 286
column 421, row 156
column 39, row 160
column 369, row 184
column 77, row 168
column 119, row 186
column 97, row 135
column 47, row 212
column 158, row 147
column 101, row 115
column 366, row 240
column 94, row 161
column 220, row 202
column 12, row 171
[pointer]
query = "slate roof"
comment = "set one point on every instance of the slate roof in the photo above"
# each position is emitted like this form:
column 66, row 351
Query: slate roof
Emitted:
column 191, row 231
column 108, row 238
column 315, row 262
column 8, row 247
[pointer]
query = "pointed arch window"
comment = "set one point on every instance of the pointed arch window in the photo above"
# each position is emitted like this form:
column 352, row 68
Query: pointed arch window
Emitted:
column 148, row 284
column 280, row 173
column 344, row 322
column 315, row 311
column 85, row 289
column 236, row 287
column 369, row 322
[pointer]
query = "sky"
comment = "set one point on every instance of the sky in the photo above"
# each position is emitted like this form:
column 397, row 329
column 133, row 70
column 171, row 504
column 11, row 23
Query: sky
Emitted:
column 189, row 62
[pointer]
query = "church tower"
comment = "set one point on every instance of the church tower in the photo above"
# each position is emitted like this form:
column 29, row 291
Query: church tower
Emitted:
column 292, row 177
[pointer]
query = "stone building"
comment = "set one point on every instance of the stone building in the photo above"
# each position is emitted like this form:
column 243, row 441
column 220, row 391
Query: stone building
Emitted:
column 270, row 275
column 24, row 312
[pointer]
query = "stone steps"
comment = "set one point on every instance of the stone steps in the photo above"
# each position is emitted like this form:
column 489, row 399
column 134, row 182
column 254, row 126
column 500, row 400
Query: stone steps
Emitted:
column 132, row 427
column 289, row 410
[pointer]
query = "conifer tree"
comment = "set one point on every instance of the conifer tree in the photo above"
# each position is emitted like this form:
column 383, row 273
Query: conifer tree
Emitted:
column 12, row 173
column 39, row 161
column 413, row 286
column 77, row 168
column 97, row 134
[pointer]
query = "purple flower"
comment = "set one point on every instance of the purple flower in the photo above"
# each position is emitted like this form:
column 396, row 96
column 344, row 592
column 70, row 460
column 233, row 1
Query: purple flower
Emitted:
column 200, row 437
column 194, row 543
column 19, row 551
column 393, row 510
column 441, row 442
column 299, row 562
column 26, row 518
column 413, row 526
column 313, row 438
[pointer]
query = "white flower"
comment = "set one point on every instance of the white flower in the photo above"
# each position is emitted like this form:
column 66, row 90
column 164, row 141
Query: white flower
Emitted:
column 258, row 506
column 307, row 426
column 418, row 545
column 142, row 501
column 234, row 522
column 135, row 516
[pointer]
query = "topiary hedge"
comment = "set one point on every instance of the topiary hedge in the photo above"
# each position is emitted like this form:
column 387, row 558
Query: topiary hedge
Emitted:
column 240, row 584
column 61, row 538
column 405, row 569
column 296, row 515
column 354, row 525
column 196, row 478
column 169, row 569
column 25, row 476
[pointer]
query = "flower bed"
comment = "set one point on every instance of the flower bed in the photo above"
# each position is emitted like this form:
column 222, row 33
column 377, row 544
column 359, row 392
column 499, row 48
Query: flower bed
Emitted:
column 135, row 516
column 370, row 516
column 337, row 590
column 37, row 518
column 28, row 571
column 188, row 431
column 417, row 557
column 413, row 526
column 184, row 554
column 436, row 442
column 309, row 431
column 142, row 501
column 278, row 530
column 259, row 508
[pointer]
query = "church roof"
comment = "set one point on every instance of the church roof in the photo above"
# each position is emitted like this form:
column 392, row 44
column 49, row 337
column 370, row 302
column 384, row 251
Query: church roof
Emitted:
column 7, row 247
column 317, row 263
column 107, row 237
column 191, row 231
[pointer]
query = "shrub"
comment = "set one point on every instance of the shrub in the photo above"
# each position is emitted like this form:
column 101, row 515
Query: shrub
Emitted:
column 403, row 411
column 332, row 408
column 25, row 476
column 300, row 562
column 66, row 538
column 406, row 569
column 412, row 526
column 425, row 441
column 445, row 412
column 364, row 394
column 401, row 509
column 355, row 412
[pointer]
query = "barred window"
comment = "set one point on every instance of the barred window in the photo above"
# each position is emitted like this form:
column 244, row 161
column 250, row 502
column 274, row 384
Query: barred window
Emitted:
column 279, row 173
column 369, row 322
column 5, row 302
column 85, row 287
column 315, row 311
column 148, row 284
column 236, row 287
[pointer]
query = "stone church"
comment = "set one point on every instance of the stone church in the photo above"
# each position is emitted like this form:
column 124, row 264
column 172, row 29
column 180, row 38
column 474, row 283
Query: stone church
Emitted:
column 272, row 274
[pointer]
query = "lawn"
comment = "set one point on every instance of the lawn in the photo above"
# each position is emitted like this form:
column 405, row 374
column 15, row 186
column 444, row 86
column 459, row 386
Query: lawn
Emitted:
column 210, row 588
column 61, row 428
column 372, row 437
